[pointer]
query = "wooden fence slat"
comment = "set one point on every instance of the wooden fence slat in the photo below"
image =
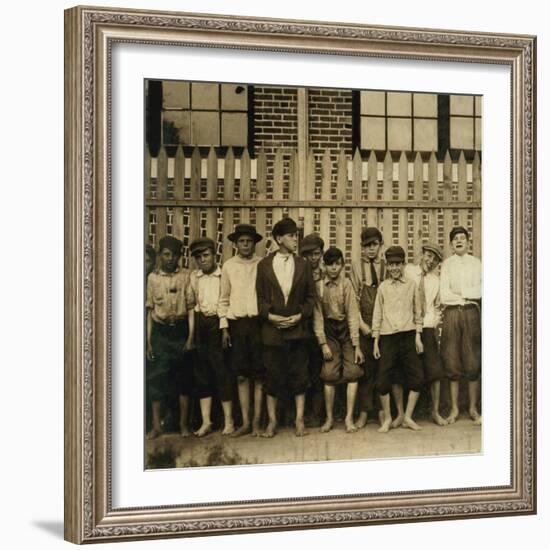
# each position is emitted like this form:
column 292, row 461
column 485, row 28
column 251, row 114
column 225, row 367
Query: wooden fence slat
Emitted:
column 294, row 184
column 462, row 189
column 309, row 213
column 245, row 185
column 447, row 196
column 194, row 212
column 179, row 177
column 162, row 177
column 372, row 190
column 357, row 188
column 476, row 196
column 387, row 195
column 261, row 187
column 278, row 180
column 402, row 231
column 228, row 192
column 432, row 186
column 417, row 215
column 326, row 183
column 340, row 215
column 212, row 194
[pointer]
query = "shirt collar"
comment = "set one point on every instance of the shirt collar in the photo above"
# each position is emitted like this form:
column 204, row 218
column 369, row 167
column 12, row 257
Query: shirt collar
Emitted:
column 376, row 260
column 334, row 282
column 281, row 256
column 159, row 271
column 216, row 273
column 394, row 281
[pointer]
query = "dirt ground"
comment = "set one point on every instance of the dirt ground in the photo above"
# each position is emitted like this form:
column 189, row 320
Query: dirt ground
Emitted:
column 174, row 451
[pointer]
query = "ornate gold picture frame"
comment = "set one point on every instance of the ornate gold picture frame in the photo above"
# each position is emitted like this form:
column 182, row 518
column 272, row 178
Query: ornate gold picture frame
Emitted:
column 90, row 35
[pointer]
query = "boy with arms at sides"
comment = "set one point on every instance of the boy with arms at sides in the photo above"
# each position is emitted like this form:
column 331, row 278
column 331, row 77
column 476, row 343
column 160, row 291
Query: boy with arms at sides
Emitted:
column 397, row 332
column 336, row 322
column 311, row 248
column 286, row 297
column 425, row 276
column 366, row 275
column 211, row 373
column 461, row 332
column 239, row 323
column 170, row 326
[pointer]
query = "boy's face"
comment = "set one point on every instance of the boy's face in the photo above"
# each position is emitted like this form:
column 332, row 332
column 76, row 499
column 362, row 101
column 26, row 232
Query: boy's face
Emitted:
column 459, row 244
column 168, row 260
column 335, row 268
column 245, row 246
column 149, row 264
column 314, row 257
column 430, row 260
column 371, row 250
column 395, row 269
column 206, row 261
column 288, row 242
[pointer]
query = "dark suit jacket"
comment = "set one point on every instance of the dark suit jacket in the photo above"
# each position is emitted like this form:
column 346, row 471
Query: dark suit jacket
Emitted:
column 271, row 300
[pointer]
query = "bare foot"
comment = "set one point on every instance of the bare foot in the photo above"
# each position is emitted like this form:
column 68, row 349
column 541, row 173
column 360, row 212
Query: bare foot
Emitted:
column 271, row 430
column 228, row 429
column 476, row 417
column 362, row 420
column 327, row 426
column 350, row 426
column 301, row 429
column 386, row 425
column 205, row 429
column 410, row 423
column 451, row 419
column 438, row 419
column 398, row 421
column 184, row 432
column 256, row 431
column 243, row 430
column 154, row 433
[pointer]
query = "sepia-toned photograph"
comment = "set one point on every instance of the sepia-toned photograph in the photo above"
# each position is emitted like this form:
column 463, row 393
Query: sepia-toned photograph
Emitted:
column 312, row 286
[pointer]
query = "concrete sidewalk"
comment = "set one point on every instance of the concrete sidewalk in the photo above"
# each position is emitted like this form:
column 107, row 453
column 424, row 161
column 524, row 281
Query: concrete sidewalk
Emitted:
column 173, row 451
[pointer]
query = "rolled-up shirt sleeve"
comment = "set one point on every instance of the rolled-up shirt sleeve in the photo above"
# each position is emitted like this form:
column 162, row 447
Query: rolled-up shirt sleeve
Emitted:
column 377, row 314
column 223, row 301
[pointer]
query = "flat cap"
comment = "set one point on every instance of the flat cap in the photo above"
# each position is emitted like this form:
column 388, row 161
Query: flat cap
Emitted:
column 311, row 242
column 370, row 234
column 433, row 248
column 395, row 254
column 456, row 230
column 201, row 244
column 284, row 227
column 171, row 243
column 244, row 229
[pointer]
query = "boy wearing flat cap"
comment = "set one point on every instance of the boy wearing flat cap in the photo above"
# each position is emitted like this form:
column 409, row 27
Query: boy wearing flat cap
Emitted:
column 397, row 332
column 311, row 248
column 366, row 275
column 211, row 373
column 461, row 332
column 239, row 323
column 286, row 297
column 425, row 276
column 336, row 325
column 170, row 325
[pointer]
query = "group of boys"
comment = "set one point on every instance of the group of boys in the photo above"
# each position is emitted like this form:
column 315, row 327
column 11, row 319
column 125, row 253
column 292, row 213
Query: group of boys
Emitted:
column 294, row 324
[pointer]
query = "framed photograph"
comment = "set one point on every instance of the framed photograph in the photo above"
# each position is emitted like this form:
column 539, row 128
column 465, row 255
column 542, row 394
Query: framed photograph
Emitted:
column 278, row 237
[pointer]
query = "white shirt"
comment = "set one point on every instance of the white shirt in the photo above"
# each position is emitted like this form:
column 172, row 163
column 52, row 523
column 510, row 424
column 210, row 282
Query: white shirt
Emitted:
column 206, row 287
column 431, row 291
column 283, row 266
column 460, row 280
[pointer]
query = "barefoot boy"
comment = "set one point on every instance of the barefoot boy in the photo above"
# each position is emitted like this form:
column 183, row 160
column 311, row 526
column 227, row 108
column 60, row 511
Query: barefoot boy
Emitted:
column 336, row 324
column 366, row 275
column 170, row 325
column 286, row 297
column 427, row 281
column 239, row 323
column 397, row 330
column 211, row 373
column 461, row 332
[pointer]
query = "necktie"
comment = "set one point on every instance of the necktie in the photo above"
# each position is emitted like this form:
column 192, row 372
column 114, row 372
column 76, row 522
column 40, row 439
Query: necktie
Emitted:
column 373, row 275
column 422, row 292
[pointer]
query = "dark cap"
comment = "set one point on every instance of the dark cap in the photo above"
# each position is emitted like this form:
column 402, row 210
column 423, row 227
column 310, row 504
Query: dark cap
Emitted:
column 201, row 244
column 244, row 229
column 456, row 230
column 311, row 242
column 332, row 255
column 284, row 227
column 433, row 248
column 370, row 234
column 171, row 243
column 395, row 254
